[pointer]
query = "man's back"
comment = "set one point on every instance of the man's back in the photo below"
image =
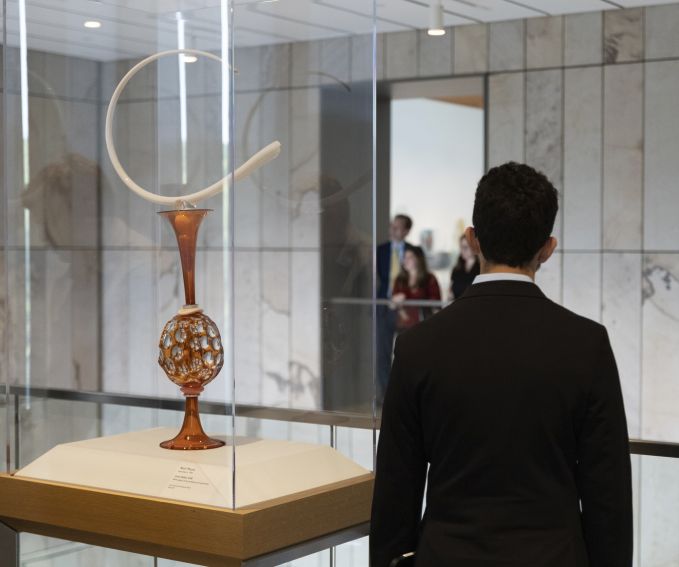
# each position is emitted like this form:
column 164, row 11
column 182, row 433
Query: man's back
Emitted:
column 515, row 403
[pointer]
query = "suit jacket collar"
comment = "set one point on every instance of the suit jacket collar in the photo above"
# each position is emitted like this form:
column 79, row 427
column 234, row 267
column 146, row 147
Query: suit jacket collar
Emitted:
column 503, row 287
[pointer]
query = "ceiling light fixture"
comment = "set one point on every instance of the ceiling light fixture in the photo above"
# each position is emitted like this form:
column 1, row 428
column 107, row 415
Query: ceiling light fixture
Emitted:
column 190, row 58
column 92, row 24
column 436, row 19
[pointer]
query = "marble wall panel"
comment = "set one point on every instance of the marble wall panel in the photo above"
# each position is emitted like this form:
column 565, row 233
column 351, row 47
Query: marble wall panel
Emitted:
column 275, row 66
column 143, row 86
column 247, row 191
column 41, row 341
column 150, row 161
column 659, row 501
column 85, row 318
column 277, row 387
column 362, row 57
column 115, row 317
column 506, row 103
column 161, row 162
column 661, row 149
column 15, row 317
column 114, row 195
column 544, row 129
column 204, row 77
column 305, row 330
column 623, row 156
column 62, row 311
column 62, row 193
column 274, row 179
column 470, row 49
column 247, row 62
column 306, row 63
column 507, row 46
column 582, row 284
column 401, row 55
column 623, row 35
column 6, row 321
column 305, row 168
column 380, row 56
column 213, row 288
column 582, row 158
column 143, row 373
column 32, row 363
column 206, row 160
column 550, row 278
column 583, row 39
column 129, row 331
column 55, row 75
column 636, row 502
column 248, row 308
column 544, row 42
column 660, row 417
column 621, row 314
column 14, row 178
column 335, row 61
column 662, row 39
column 435, row 54
column 207, row 154
column 48, row 148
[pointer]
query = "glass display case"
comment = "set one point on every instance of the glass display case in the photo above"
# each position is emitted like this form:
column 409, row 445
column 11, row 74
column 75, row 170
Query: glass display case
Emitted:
column 248, row 317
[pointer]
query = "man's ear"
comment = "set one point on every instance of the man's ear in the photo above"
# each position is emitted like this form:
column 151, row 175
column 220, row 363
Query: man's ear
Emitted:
column 547, row 250
column 470, row 235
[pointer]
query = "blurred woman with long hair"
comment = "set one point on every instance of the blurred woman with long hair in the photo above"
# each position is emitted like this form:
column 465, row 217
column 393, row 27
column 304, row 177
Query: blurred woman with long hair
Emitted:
column 414, row 282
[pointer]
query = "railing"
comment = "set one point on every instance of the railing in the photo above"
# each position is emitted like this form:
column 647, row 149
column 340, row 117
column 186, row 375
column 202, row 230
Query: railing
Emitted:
column 315, row 417
column 440, row 303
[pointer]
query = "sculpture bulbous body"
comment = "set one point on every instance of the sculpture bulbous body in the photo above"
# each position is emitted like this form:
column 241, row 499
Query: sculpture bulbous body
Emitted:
column 191, row 351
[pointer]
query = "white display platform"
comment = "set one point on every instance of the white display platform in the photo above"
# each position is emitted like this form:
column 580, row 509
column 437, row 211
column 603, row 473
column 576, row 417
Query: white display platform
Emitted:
column 133, row 462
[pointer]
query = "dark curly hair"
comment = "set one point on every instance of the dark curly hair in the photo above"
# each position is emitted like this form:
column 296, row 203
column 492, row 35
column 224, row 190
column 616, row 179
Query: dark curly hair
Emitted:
column 514, row 212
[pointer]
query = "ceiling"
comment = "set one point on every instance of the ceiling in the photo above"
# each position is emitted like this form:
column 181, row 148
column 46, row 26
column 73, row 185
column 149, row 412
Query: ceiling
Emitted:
column 133, row 28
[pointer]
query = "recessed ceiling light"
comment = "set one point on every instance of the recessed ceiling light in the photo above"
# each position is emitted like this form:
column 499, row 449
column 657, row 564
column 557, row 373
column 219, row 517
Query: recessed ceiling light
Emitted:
column 190, row 58
column 436, row 32
column 92, row 24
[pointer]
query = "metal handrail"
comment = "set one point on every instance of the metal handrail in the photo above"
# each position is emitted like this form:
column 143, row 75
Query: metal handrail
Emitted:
column 654, row 448
column 388, row 302
column 353, row 420
column 317, row 417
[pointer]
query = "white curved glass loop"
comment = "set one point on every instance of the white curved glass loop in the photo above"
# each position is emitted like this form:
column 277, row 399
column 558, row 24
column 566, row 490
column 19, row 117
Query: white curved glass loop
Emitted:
column 262, row 157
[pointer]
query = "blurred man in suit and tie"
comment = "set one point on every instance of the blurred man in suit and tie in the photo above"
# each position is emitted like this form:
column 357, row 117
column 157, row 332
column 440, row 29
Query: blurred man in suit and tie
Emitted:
column 389, row 260
column 514, row 404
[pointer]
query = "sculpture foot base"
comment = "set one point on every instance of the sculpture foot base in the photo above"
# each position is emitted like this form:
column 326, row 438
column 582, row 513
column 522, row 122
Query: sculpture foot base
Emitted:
column 191, row 435
column 189, row 442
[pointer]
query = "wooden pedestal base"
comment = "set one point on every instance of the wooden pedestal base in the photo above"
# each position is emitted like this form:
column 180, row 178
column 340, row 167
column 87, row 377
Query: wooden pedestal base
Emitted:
column 205, row 535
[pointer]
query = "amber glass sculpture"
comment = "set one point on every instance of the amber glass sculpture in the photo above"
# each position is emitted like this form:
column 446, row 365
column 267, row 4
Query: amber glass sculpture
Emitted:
column 191, row 352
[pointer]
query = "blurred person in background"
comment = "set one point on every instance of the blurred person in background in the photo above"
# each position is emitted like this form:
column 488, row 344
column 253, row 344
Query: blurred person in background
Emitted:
column 414, row 282
column 389, row 261
column 465, row 270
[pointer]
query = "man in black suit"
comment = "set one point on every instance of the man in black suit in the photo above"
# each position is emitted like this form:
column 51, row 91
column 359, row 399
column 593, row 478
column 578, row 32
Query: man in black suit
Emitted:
column 389, row 261
column 515, row 404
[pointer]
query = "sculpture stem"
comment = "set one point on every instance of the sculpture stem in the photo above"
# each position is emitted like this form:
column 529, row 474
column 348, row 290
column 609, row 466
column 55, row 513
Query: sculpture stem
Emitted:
column 192, row 435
